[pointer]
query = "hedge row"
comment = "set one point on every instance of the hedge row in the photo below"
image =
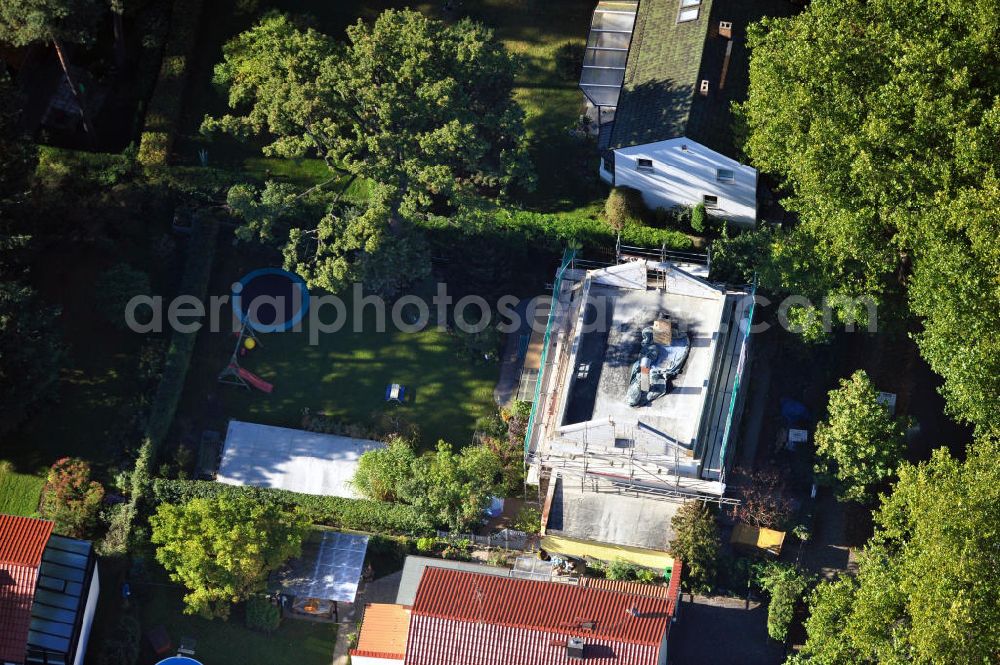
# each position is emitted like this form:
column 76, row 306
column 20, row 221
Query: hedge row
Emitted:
column 197, row 273
column 163, row 114
column 355, row 514
column 554, row 229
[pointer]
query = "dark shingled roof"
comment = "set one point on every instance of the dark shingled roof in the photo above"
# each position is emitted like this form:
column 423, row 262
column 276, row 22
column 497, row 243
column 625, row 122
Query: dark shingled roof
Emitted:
column 667, row 62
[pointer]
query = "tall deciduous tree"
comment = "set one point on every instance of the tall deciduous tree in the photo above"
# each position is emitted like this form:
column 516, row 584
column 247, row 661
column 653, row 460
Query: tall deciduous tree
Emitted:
column 223, row 549
column 928, row 585
column 422, row 107
column 20, row 156
column 883, row 120
column 696, row 543
column 358, row 245
column 31, row 352
column 55, row 22
column 860, row 444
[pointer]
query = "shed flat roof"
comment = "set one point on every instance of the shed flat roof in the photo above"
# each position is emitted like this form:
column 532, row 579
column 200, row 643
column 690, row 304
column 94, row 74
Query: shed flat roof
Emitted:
column 291, row 459
column 414, row 567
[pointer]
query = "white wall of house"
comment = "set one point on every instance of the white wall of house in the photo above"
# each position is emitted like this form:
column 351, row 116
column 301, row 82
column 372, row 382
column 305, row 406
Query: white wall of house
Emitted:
column 88, row 617
column 369, row 660
column 682, row 173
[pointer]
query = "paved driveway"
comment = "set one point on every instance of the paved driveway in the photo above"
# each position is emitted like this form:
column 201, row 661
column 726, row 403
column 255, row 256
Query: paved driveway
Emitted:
column 722, row 631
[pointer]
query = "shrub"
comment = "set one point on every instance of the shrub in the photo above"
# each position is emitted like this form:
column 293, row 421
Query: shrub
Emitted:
column 698, row 216
column 528, row 520
column 645, row 575
column 381, row 472
column 70, row 498
column 785, row 586
column 426, row 544
column 696, row 543
column 262, row 615
column 623, row 207
column 620, row 570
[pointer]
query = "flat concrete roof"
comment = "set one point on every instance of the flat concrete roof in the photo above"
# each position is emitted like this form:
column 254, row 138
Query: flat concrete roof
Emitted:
column 676, row 414
column 607, row 517
column 291, row 459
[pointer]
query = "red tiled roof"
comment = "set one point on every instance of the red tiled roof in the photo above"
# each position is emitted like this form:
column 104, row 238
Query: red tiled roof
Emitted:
column 22, row 541
column 622, row 586
column 383, row 631
column 461, row 617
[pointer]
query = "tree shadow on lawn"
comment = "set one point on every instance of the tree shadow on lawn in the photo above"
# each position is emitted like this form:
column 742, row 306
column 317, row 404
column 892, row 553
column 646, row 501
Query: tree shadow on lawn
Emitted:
column 231, row 642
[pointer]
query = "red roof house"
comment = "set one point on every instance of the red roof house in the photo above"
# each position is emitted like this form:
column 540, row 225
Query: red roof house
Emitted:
column 464, row 618
column 48, row 593
column 22, row 542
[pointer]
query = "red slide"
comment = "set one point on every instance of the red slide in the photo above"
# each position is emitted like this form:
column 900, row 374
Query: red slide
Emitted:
column 254, row 380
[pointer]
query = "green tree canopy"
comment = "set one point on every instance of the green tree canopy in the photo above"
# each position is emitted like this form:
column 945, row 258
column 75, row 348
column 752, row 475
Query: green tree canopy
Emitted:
column 421, row 107
column 882, row 119
column 382, row 472
column 70, row 498
column 696, row 543
column 859, row 445
column 20, row 156
column 784, row 585
column 31, row 352
column 223, row 549
column 23, row 22
column 453, row 489
column 928, row 585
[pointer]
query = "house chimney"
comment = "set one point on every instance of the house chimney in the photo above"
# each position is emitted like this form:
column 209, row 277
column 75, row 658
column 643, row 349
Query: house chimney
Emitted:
column 725, row 64
column 703, row 89
column 726, row 29
column 574, row 648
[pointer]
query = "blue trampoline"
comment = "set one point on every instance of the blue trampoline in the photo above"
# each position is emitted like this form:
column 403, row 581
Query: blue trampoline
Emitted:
column 179, row 660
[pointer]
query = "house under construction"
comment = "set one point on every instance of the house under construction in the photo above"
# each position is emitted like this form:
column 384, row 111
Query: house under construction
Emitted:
column 638, row 397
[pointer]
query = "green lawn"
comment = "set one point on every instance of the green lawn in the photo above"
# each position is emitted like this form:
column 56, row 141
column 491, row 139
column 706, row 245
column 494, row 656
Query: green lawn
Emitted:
column 19, row 492
column 231, row 642
column 344, row 375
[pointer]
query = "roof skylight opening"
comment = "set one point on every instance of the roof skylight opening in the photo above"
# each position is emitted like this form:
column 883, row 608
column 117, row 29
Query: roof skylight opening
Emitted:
column 689, row 11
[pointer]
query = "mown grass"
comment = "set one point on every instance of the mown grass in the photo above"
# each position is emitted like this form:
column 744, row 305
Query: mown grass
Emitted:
column 19, row 492
column 344, row 375
column 231, row 642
